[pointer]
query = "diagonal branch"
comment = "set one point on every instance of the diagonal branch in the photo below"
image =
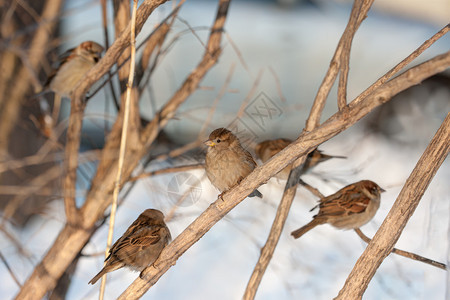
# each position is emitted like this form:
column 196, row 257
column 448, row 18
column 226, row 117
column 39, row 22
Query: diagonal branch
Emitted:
column 358, row 14
column 305, row 143
column 404, row 62
column 77, row 231
column 388, row 234
column 290, row 190
column 77, row 105
column 322, row 94
column 276, row 229
column 405, row 253
column 17, row 95
column 209, row 59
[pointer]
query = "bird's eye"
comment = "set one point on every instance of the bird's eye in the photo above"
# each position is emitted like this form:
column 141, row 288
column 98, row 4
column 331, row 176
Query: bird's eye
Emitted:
column 218, row 141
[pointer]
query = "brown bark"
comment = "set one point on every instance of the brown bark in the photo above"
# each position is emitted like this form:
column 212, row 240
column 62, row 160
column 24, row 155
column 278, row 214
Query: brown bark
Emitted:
column 389, row 232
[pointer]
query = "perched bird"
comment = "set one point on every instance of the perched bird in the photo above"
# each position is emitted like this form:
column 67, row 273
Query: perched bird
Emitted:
column 349, row 208
column 227, row 163
column 266, row 149
column 73, row 66
column 139, row 246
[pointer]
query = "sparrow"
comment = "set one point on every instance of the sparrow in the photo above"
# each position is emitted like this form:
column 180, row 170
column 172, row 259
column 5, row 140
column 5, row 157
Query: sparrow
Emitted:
column 349, row 208
column 266, row 149
column 74, row 64
column 227, row 162
column 139, row 246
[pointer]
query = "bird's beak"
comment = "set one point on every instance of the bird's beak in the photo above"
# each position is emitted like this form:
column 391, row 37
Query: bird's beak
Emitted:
column 382, row 190
column 209, row 143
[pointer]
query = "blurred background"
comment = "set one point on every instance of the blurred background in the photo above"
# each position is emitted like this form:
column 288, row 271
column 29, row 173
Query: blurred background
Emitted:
column 276, row 54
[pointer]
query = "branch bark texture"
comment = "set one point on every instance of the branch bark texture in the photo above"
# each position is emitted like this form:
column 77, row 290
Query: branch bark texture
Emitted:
column 384, row 240
column 305, row 143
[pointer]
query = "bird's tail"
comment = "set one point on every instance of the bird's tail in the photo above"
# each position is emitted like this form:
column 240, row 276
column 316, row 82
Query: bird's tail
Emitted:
column 98, row 276
column 256, row 193
column 302, row 230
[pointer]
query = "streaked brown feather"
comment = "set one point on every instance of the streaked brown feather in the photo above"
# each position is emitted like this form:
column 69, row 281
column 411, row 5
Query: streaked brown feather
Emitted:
column 140, row 245
column 348, row 208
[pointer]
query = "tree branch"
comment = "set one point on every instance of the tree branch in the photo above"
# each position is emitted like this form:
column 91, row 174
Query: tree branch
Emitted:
column 275, row 231
column 405, row 253
column 74, row 235
column 388, row 234
column 305, row 143
column 358, row 14
column 335, row 64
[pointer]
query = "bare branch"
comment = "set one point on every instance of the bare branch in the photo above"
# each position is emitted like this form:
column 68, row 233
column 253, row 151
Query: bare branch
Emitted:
column 78, row 94
column 16, row 97
column 335, row 65
column 305, row 143
column 404, row 62
column 124, row 5
column 275, row 231
column 8, row 267
column 407, row 254
column 358, row 14
column 168, row 170
column 384, row 240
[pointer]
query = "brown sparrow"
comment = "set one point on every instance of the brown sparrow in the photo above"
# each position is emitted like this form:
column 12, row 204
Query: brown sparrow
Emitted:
column 139, row 246
column 266, row 149
column 349, row 208
column 227, row 163
column 73, row 66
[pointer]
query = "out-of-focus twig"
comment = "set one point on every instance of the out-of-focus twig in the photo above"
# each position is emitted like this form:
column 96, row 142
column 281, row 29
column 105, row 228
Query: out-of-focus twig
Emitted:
column 8, row 267
column 300, row 147
column 407, row 201
column 16, row 96
column 167, row 170
column 342, row 55
column 403, row 253
column 123, row 140
column 335, row 64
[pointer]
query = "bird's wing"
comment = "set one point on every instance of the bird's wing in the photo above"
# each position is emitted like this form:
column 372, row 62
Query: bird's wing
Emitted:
column 141, row 239
column 354, row 203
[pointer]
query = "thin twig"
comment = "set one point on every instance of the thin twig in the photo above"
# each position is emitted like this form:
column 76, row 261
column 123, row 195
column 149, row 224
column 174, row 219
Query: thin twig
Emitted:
column 305, row 143
column 17, row 244
column 312, row 189
column 343, row 52
column 220, row 95
column 358, row 14
column 106, row 36
column 249, row 95
column 166, row 171
column 407, row 201
column 275, row 231
column 179, row 151
column 123, row 140
column 404, row 63
column 14, row 277
column 322, row 94
column 407, row 254
column 73, row 236
column 183, row 197
column 278, row 85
